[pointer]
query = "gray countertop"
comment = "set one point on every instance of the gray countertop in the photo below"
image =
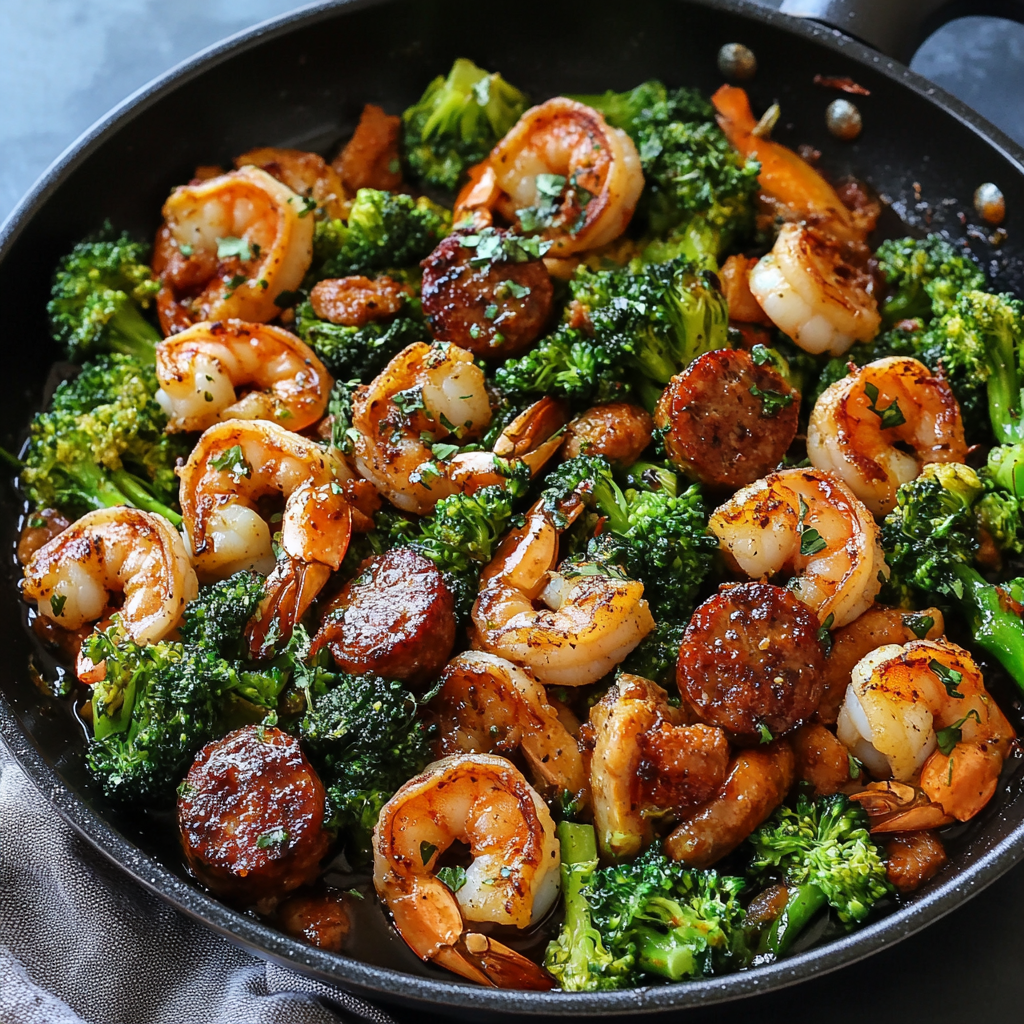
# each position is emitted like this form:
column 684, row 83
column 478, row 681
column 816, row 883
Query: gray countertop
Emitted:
column 66, row 62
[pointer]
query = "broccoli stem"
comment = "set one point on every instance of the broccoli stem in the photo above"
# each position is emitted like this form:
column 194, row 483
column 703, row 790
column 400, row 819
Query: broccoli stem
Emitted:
column 100, row 488
column 578, row 843
column 803, row 904
column 141, row 497
column 130, row 333
column 996, row 629
column 664, row 954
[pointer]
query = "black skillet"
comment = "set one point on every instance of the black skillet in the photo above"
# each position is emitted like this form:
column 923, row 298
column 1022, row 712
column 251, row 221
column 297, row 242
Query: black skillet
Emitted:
column 301, row 80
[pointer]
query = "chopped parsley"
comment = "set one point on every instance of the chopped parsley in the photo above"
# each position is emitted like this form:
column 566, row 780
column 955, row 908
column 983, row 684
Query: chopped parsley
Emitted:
column 231, row 246
column 891, row 415
column 233, row 462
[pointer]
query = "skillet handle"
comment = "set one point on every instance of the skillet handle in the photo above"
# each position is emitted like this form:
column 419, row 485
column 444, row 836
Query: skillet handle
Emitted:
column 897, row 27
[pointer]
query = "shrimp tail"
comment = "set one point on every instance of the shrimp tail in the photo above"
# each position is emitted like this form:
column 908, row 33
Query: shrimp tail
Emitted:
column 489, row 962
column 290, row 589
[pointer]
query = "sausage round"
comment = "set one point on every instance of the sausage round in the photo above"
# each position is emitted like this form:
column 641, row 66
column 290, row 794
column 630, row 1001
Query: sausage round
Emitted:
column 251, row 816
column 751, row 660
column 395, row 619
column 728, row 420
column 495, row 310
column 619, row 431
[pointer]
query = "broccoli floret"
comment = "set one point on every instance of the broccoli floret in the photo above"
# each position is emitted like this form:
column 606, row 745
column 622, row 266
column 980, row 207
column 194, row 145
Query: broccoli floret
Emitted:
column 102, row 443
column 697, row 187
column 217, row 618
column 643, row 328
column 568, row 363
column 365, row 739
column 675, row 923
column 930, row 541
column 362, row 352
column 979, row 343
column 824, row 853
column 461, row 535
column 384, row 231
column 578, row 959
column 657, row 537
column 924, row 277
column 657, row 655
column 457, row 121
column 99, row 292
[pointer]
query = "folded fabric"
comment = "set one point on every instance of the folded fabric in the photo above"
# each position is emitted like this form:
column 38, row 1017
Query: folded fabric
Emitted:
column 80, row 943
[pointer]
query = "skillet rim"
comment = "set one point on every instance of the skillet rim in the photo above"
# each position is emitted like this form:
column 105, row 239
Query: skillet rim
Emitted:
column 387, row 984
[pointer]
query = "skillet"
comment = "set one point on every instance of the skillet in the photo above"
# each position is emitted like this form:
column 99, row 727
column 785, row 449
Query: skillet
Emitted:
column 301, row 80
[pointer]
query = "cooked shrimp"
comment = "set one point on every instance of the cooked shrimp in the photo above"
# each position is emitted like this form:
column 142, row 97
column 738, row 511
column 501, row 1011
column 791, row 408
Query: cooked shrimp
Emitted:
column 306, row 174
column 798, row 191
column 877, row 427
column 488, row 704
column 370, row 159
column 587, row 623
column 757, row 782
column 807, row 523
column 426, row 394
column 579, row 177
column 647, row 763
column 236, row 463
column 229, row 247
column 477, row 199
column 482, row 801
column 810, row 292
column 922, row 708
column 201, row 369
column 118, row 550
column 877, row 627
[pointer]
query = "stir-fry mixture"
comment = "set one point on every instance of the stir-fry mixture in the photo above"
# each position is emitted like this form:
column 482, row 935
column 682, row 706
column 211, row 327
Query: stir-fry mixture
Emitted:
column 599, row 567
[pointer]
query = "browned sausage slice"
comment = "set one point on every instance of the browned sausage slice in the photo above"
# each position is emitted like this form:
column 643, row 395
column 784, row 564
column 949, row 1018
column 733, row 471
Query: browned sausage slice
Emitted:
column 496, row 309
column 729, row 421
column 251, row 816
column 396, row 619
column 758, row 782
column 751, row 660
column 619, row 431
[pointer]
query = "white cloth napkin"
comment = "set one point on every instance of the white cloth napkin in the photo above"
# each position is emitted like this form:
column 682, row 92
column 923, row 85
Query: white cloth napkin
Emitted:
column 80, row 943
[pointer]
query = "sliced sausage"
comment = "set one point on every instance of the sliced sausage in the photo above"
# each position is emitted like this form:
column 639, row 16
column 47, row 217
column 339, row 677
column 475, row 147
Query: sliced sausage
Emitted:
column 355, row 301
column 396, row 619
column 912, row 858
column 729, row 421
column 321, row 919
column 758, row 782
column 751, row 660
column 496, row 309
column 619, row 431
column 251, row 816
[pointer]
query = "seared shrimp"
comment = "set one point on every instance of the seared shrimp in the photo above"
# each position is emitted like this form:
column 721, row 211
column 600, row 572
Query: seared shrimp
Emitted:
column 201, row 369
column 807, row 523
column 798, row 191
column 877, row 627
column 647, row 763
column 488, row 704
column 579, row 178
column 810, row 292
column 306, row 174
column 426, row 394
column 229, row 247
column 482, row 801
column 876, row 428
column 587, row 623
column 118, row 550
column 923, row 708
column 236, row 463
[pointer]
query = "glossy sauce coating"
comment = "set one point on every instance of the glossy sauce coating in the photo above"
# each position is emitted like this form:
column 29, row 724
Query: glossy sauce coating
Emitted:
column 729, row 420
column 497, row 309
column 757, row 783
column 751, row 660
column 913, row 858
column 251, row 816
column 396, row 618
